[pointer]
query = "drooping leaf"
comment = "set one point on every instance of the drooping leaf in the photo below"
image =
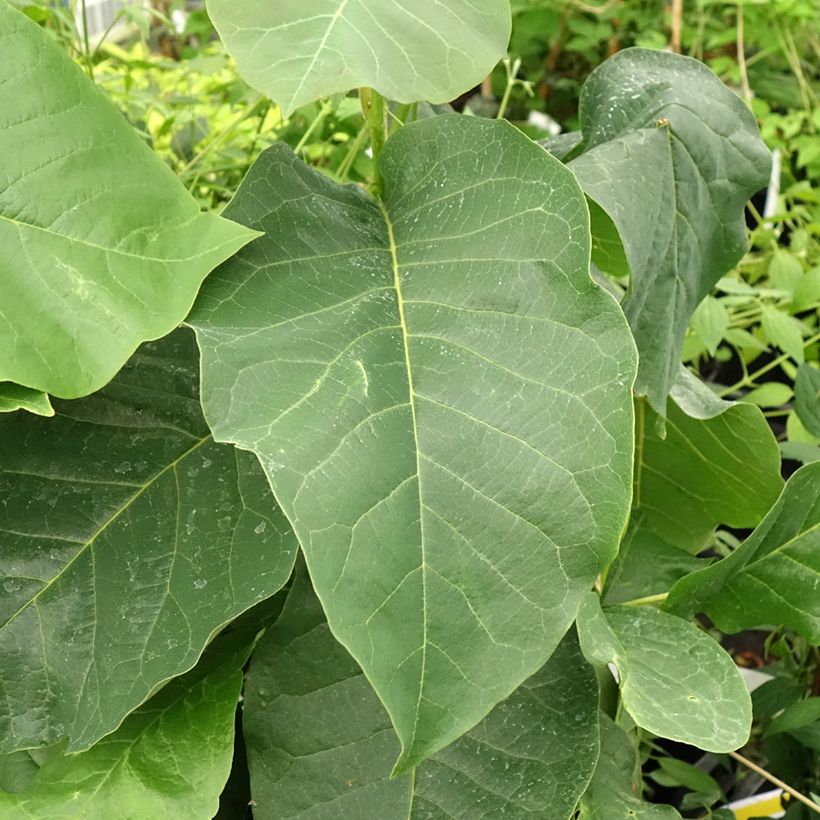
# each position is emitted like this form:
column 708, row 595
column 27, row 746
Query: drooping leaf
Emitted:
column 718, row 464
column 450, row 429
column 675, row 680
column 672, row 156
column 128, row 538
column 101, row 247
column 807, row 397
column 774, row 576
column 615, row 790
column 170, row 758
column 320, row 743
column 430, row 50
column 15, row 397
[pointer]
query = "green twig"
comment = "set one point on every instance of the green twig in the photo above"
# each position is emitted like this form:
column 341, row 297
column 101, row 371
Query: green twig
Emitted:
column 647, row 599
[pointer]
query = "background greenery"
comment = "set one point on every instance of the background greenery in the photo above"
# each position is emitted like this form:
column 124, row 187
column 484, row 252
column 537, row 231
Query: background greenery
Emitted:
column 756, row 336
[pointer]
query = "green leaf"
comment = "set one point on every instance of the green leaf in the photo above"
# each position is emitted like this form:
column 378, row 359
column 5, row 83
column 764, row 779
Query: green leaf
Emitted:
column 128, row 538
column 676, row 681
column 770, row 394
column 773, row 577
column 101, row 246
column 710, row 321
column 800, row 451
column 170, row 758
column 807, row 397
column 430, row 50
column 796, row 716
column 646, row 564
column 785, row 271
column 562, row 145
column 451, row 429
column 672, row 155
column 15, row 397
column 718, row 464
column 320, row 743
column 784, row 331
column 17, row 770
column 615, row 790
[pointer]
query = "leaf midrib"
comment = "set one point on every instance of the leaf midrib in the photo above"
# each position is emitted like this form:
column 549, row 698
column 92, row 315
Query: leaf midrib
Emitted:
column 105, row 525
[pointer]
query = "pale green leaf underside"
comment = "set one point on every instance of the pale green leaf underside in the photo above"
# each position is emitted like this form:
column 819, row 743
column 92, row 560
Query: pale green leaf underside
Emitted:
column 615, row 789
column 101, row 247
column 15, row 397
column 170, row 758
column 441, row 399
column 718, row 464
column 773, row 578
column 672, row 156
column 675, row 680
column 127, row 537
column 320, row 744
column 299, row 50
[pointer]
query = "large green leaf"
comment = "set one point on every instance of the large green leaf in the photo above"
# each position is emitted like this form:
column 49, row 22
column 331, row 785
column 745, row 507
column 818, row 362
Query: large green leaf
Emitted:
column 298, row 50
column 320, row 744
column 672, row 156
column 440, row 396
column 676, row 681
column 169, row 759
column 718, row 464
column 773, row 578
column 615, row 790
column 101, row 247
column 128, row 537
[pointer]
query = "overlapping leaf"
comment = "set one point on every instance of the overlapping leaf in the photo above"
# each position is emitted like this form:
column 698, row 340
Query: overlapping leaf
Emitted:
column 675, row 680
column 441, row 399
column 615, row 790
column 672, row 156
column 718, row 464
column 127, row 538
column 320, row 744
column 101, row 247
column 774, row 576
column 15, row 397
column 297, row 51
column 170, row 758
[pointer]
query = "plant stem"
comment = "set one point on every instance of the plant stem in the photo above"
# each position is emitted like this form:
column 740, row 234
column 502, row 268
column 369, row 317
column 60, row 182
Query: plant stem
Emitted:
column 317, row 121
column 741, row 56
column 373, row 109
column 777, row 782
column 648, row 599
column 748, row 381
column 352, row 153
column 89, row 65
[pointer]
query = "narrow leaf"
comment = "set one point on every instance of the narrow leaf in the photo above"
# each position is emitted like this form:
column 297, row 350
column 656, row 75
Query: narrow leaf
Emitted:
column 429, row 50
column 450, row 431
column 672, row 156
column 676, row 681
column 807, row 397
column 320, row 743
column 170, row 758
column 128, row 538
column 101, row 247
column 773, row 578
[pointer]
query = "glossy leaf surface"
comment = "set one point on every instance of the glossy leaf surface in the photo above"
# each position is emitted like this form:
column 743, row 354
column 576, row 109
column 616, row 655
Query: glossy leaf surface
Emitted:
column 450, row 431
column 320, row 743
column 128, row 538
column 170, row 758
column 297, row 51
column 773, row 578
column 101, row 247
column 718, row 464
column 672, row 156
column 675, row 680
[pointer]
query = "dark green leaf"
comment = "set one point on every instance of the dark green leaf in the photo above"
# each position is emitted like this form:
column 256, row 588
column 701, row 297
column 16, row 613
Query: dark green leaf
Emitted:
column 807, row 398
column 450, row 431
column 671, row 155
column 773, row 577
column 320, row 743
column 128, row 538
